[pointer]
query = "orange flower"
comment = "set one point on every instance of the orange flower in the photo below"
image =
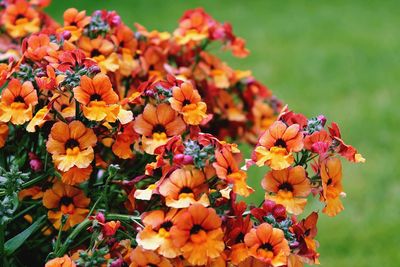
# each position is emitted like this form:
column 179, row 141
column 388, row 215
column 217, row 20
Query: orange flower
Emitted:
column 228, row 108
column 3, row 134
column 198, row 234
column 187, row 101
column 101, row 51
column 74, row 22
column 65, row 200
column 125, row 139
column 331, row 175
column 61, row 262
column 38, row 120
column 39, row 46
column 227, row 169
column 157, row 124
column 71, row 145
column 268, row 244
column 276, row 145
column 20, row 19
column 76, row 175
column 142, row 258
column 98, row 98
column 263, row 116
column 64, row 105
column 156, row 234
column 184, row 187
column 290, row 186
column 17, row 101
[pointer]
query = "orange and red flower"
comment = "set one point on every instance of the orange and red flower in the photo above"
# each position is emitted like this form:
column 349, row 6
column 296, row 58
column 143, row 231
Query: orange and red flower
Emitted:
column 20, row 19
column 98, row 98
column 332, row 188
column 227, row 169
column 290, row 187
column 61, row 262
column 198, row 234
column 17, row 101
column 64, row 200
column 184, row 187
column 71, row 145
column 141, row 258
column 156, row 234
column 157, row 124
column 187, row 101
column 268, row 244
column 276, row 145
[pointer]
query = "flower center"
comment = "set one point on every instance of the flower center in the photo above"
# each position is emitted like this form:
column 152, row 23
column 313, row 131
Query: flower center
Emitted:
column 280, row 143
column 166, row 225
column 95, row 53
column 286, row 186
column 71, row 143
column 267, row 246
column 186, row 102
column 195, row 229
column 65, row 201
column 186, row 190
column 329, row 181
column 19, row 99
column 95, row 97
column 159, row 128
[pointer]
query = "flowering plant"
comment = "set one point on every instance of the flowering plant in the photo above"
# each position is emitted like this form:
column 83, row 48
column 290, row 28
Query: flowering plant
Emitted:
column 117, row 148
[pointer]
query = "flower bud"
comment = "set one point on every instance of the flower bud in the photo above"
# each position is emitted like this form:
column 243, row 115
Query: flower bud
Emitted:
column 66, row 35
column 100, row 217
column 322, row 119
column 187, row 159
column 94, row 69
column 36, row 165
column 279, row 212
column 268, row 205
column 179, row 158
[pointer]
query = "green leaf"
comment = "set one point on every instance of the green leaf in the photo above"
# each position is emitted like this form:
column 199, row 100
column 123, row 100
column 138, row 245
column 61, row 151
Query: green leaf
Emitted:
column 14, row 243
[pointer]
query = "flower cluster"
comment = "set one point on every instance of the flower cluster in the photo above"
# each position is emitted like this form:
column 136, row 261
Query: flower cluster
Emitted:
column 116, row 147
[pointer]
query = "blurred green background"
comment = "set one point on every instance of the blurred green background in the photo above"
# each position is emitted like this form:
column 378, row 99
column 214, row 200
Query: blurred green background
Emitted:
column 338, row 58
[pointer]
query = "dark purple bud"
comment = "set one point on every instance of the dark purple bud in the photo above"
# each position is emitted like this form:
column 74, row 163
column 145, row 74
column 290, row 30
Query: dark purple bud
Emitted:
column 36, row 165
column 66, row 35
column 117, row 263
column 94, row 69
column 149, row 93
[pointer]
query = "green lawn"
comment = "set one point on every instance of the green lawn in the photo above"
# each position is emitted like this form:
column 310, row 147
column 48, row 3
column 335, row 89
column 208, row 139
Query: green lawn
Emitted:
column 338, row 58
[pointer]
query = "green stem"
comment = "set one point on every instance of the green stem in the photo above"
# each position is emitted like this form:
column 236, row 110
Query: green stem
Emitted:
column 26, row 210
column 2, row 240
column 82, row 226
column 34, row 181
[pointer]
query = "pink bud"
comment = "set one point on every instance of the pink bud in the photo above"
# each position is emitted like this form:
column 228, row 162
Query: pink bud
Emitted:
column 116, row 20
column 322, row 118
column 179, row 158
column 100, row 217
column 36, row 165
column 117, row 263
column 187, row 159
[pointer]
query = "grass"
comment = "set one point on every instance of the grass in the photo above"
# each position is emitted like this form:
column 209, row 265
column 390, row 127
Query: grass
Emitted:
column 339, row 58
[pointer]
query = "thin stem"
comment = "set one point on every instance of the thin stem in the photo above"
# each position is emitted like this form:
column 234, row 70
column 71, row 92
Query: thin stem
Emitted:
column 26, row 210
column 63, row 249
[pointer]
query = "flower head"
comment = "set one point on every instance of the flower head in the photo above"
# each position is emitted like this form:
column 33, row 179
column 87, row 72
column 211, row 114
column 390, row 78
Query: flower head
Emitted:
column 17, row 101
column 157, row 124
column 65, row 200
column 71, row 145
column 276, row 145
column 268, row 244
column 290, row 186
column 198, row 234
column 331, row 175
